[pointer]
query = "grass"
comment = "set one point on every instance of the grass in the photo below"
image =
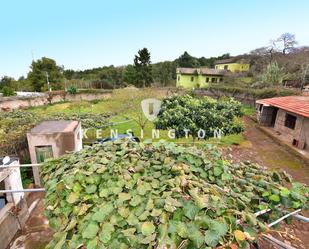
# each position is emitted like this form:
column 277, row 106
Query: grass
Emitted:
column 248, row 110
column 124, row 105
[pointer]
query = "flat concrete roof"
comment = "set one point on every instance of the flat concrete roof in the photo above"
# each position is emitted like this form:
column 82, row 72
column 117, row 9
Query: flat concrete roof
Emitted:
column 57, row 126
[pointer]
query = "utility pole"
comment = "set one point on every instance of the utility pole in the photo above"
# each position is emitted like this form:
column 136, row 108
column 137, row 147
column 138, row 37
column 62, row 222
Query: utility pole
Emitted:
column 47, row 80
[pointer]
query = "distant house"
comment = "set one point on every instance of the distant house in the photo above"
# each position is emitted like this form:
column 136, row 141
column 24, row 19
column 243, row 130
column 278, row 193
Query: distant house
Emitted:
column 288, row 116
column 233, row 65
column 197, row 77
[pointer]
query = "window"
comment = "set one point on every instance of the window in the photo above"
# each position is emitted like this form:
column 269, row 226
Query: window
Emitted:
column 213, row 80
column 207, row 79
column 178, row 78
column 192, row 78
column 221, row 79
column 260, row 108
column 226, row 67
column 290, row 121
column 43, row 153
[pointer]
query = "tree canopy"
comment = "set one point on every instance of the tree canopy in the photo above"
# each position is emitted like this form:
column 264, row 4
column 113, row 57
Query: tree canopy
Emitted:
column 143, row 68
column 43, row 68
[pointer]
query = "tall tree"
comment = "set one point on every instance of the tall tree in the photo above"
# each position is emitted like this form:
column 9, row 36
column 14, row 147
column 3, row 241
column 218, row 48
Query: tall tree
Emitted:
column 129, row 75
column 287, row 41
column 186, row 60
column 143, row 67
column 43, row 68
column 6, row 81
column 164, row 72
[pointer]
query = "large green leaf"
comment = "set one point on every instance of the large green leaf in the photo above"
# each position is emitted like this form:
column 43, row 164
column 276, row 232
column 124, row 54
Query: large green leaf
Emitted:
column 90, row 231
column 212, row 238
column 147, row 228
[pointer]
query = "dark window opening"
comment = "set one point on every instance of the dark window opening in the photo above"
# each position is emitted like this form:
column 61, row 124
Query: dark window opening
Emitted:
column 226, row 67
column 221, row 79
column 207, row 79
column 192, row 78
column 178, row 78
column 261, row 108
column 213, row 80
column 290, row 121
column 43, row 153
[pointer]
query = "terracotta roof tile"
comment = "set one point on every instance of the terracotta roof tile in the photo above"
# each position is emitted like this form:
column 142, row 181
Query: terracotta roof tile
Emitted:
column 295, row 104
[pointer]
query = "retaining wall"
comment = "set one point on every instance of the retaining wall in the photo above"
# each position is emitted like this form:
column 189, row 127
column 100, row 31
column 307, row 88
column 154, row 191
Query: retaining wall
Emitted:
column 12, row 103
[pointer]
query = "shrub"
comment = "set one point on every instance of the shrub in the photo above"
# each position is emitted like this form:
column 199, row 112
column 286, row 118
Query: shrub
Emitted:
column 8, row 91
column 201, row 116
column 72, row 90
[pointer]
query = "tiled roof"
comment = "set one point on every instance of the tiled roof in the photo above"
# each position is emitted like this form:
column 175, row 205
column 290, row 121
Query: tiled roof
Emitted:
column 203, row 70
column 224, row 61
column 295, row 104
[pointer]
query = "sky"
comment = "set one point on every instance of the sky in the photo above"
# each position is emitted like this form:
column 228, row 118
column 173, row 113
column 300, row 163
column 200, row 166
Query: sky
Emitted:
column 92, row 33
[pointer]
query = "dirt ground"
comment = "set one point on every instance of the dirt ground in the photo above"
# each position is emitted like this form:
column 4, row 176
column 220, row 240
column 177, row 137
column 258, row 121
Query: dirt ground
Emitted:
column 265, row 151
column 261, row 149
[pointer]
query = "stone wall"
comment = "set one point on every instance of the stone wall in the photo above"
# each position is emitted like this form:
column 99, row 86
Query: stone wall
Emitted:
column 12, row 103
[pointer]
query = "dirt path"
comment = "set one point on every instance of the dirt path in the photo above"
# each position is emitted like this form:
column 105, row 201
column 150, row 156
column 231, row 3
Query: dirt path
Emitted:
column 265, row 151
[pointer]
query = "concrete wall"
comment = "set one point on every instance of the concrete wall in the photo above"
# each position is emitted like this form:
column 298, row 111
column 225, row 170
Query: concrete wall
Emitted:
column 60, row 142
column 305, row 133
column 265, row 114
column 9, row 224
column 184, row 80
column 299, row 132
column 11, row 103
column 234, row 67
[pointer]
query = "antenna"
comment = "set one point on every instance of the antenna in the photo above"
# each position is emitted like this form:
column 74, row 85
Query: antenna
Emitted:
column 47, row 80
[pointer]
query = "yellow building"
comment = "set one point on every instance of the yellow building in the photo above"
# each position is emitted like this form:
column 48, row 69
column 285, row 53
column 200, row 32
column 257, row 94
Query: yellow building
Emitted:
column 233, row 65
column 197, row 77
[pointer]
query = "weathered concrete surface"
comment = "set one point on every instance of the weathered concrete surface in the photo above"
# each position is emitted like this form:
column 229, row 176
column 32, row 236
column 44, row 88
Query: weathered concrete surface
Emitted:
column 11, row 223
column 36, row 233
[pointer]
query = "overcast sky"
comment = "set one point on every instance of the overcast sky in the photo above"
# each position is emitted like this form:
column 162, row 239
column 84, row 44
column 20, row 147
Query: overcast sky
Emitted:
column 85, row 34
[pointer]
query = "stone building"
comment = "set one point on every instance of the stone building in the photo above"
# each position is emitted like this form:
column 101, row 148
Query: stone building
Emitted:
column 288, row 116
column 51, row 139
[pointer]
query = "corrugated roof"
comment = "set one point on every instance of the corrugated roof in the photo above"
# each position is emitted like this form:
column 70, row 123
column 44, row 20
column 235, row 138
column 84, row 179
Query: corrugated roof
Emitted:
column 203, row 70
column 295, row 104
column 48, row 127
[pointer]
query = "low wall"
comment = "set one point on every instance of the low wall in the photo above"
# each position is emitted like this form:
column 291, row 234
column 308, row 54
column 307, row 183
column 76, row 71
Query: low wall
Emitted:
column 242, row 97
column 10, row 223
column 12, row 103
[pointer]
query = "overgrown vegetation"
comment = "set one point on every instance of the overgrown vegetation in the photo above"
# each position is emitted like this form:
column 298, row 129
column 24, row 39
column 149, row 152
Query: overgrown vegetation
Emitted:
column 15, row 125
column 199, row 117
column 159, row 195
column 253, row 92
